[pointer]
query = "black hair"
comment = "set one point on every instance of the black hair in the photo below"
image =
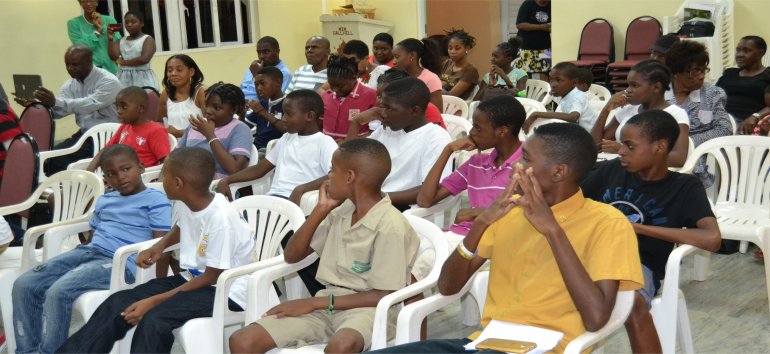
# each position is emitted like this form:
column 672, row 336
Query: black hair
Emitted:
column 584, row 76
column 426, row 51
column 568, row 144
column 118, row 150
column 504, row 111
column 682, row 55
column 136, row 14
column 657, row 125
column 654, row 72
column 409, row 92
column 460, row 34
column 228, row 93
column 511, row 47
column 135, row 93
column 357, row 48
column 391, row 75
column 371, row 150
column 195, row 166
column 307, row 101
column 271, row 72
column 195, row 81
column 383, row 37
column 343, row 68
column 440, row 42
column 270, row 41
column 758, row 41
column 568, row 69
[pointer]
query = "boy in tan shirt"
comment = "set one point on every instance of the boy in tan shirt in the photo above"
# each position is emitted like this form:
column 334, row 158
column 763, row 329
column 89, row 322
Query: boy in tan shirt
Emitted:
column 367, row 249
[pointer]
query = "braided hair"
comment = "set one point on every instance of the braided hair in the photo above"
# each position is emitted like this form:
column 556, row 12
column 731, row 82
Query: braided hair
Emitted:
column 228, row 93
column 343, row 68
column 462, row 36
column 511, row 47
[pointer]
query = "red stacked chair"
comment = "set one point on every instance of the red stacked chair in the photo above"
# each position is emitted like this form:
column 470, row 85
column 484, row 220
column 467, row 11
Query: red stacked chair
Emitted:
column 641, row 34
column 597, row 48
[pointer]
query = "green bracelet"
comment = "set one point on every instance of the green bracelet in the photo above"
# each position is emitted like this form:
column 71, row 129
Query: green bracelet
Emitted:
column 331, row 304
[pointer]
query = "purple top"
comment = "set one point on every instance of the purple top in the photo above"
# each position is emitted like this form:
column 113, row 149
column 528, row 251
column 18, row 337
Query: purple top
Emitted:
column 483, row 180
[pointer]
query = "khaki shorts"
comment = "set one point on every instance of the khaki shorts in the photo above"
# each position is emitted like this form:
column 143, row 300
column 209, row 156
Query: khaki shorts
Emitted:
column 424, row 262
column 318, row 327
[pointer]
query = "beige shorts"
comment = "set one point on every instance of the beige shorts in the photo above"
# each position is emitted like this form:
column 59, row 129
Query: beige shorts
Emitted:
column 318, row 327
column 424, row 262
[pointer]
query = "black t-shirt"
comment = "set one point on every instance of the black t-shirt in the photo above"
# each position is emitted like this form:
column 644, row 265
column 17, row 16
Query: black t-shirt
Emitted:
column 745, row 95
column 676, row 201
column 531, row 12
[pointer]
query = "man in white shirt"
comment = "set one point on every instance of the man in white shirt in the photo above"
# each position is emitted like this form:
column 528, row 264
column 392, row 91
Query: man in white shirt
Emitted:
column 414, row 144
column 89, row 95
column 313, row 75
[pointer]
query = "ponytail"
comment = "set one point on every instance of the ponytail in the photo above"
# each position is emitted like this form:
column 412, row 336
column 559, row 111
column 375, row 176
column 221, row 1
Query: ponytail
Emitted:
column 426, row 51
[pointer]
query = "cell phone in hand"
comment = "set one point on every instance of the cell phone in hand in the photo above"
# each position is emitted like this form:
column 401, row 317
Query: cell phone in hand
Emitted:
column 115, row 27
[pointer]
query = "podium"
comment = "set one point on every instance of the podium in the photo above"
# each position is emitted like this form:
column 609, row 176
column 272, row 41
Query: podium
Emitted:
column 341, row 28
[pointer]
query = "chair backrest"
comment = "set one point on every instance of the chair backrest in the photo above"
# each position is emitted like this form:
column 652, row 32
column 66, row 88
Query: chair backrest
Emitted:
column 531, row 105
column 474, row 92
column 597, row 41
column 601, row 92
column 431, row 237
column 74, row 193
column 471, row 109
column 455, row 106
column 733, row 125
column 271, row 219
column 542, row 121
column 539, row 90
column 172, row 142
column 101, row 134
column 457, row 127
column 743, row 165
column 153, row 101
column 20, row 172
column 641, row 34
column 37, row 121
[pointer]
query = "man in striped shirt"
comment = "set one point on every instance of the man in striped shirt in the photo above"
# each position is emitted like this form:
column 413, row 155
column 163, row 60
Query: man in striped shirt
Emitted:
column 313, row 75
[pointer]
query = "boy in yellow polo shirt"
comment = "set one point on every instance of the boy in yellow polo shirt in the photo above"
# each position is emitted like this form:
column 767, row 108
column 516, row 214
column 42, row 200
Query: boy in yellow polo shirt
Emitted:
column 367, row 249
column 558, row 259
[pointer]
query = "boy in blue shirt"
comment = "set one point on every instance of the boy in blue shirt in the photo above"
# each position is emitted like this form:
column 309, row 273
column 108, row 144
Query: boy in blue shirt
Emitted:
column 269, row 110
column 43, row 296
column 573, row 106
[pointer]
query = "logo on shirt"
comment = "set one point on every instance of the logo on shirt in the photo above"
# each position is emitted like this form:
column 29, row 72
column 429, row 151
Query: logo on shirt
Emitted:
column 122, row 137
column 140, row 141
column 353, row 113
column 360, row 267
column 638, row 207
column 541, row 16
column 203, row 245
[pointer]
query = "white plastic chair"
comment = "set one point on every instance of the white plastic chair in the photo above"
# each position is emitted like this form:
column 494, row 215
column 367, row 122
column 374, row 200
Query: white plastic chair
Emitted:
column 456, row 126
column 601, row 92
column 411, row 316
column 100, row 135
column 733, row 124
column 272, row 218
column 454, row 104
column 741, row 206
column 442, row 214
column 260, row 284
column 473, row 94
column 259, row 186
column 472, row 109
column 83, row 164
column 74, row 196
column 539, row 90
column 542, row 121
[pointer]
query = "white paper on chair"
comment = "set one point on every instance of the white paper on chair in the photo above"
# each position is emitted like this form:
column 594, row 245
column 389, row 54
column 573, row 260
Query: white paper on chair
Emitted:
column 546, row 339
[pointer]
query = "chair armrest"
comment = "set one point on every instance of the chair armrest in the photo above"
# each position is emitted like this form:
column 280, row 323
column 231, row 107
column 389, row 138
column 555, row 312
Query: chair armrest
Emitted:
column 120, row 260
column 46, row 155
column 308, row 202
column 80, row 164
column 32, row 234
column 52, row 240
column 144, row 275
column 261, row 283
column 379, row 339
column 670, row 285
column 410, row 317
column 440, row 207
column 623, row 304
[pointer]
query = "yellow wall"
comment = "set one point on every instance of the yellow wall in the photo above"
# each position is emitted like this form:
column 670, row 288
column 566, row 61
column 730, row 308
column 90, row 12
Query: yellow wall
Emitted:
column 571, row 15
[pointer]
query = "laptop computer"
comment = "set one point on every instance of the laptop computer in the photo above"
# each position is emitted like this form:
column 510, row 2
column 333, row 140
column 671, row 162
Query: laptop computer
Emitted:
column 25, row 85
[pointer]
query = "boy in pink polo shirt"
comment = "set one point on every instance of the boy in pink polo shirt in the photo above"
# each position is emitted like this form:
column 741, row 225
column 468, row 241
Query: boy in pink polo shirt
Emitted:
column 496, row 124
column 346, row 98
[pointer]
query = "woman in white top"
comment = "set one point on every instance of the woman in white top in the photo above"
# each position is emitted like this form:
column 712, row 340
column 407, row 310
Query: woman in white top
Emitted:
column 647, row 83
column 134, row 53
column 184, row 93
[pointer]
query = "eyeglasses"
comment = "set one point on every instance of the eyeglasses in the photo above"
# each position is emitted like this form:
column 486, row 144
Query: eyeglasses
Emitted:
column 697, row 72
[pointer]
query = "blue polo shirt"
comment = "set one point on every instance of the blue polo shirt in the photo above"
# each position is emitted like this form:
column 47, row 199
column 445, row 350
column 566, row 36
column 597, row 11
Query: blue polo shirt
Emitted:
column 250, row 90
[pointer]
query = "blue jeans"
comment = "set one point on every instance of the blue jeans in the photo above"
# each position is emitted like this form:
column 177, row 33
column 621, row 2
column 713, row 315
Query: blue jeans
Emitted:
column 435, row 346
column 43, row 296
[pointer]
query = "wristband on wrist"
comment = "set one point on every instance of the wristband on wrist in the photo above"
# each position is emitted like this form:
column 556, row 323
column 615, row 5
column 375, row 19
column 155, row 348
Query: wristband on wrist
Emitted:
column 464, row 252
column 331, row 304
column 213, row 140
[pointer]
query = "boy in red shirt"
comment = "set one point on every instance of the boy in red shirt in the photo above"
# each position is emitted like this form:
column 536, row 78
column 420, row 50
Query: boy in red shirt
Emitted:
column 148, row 138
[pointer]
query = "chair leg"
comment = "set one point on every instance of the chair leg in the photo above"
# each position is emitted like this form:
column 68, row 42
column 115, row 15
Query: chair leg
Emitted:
column 701, row 263
column 764, row 246
column 470, row 310
column 743, row 247
column 683, row 326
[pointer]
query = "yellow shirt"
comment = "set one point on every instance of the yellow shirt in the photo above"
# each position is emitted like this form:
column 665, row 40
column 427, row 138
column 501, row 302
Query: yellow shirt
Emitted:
column 525, row 284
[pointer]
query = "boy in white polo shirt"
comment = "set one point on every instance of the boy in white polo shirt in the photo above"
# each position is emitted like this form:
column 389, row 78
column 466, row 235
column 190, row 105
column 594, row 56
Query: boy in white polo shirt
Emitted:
column 212, row 239
column 573, row 106
column 414, row 144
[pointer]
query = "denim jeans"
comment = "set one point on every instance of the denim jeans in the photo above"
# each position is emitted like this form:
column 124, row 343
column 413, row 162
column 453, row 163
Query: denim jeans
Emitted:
column 154, row 333
column 435, row 346
column 43, row 296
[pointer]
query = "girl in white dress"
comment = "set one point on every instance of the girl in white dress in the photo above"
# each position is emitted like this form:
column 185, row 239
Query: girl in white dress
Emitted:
column 183, row 95
column 134, row 53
